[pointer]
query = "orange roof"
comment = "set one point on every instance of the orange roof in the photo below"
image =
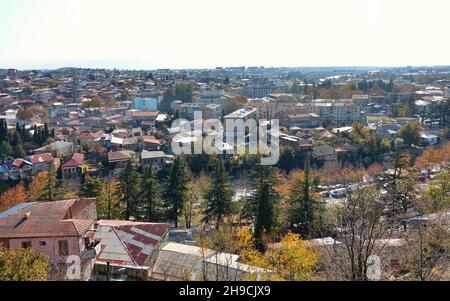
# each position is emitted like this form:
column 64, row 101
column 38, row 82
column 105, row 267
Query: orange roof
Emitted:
column 151, row 139
column 145, row 114
column 46, row 219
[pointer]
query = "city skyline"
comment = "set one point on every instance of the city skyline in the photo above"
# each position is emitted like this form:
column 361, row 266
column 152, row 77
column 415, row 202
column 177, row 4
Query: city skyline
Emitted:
column 146, row 35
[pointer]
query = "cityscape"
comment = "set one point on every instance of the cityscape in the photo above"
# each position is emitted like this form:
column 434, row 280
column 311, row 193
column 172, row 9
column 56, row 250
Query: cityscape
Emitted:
column 226, row 173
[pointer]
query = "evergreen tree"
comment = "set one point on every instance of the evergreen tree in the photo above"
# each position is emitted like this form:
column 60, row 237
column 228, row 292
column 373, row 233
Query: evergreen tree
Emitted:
column 149, row 194
column 91, row 188
column 219, row 195
column 306, row 210
column 129, row 187
column 287, row 159
column 6, row 149
column 175, row 190
column 51, row 181
column 19, row 152
column 261, row 204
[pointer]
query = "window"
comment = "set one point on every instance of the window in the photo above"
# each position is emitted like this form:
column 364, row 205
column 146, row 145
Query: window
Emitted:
column 26, row 244
column 63, row 248
column 42, row 243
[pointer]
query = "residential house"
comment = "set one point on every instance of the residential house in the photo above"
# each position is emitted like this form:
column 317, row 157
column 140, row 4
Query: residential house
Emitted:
column 70, row 168
column 20, row 169
column 324, row 153
column 88, row 138
column 157, row 159
column 41, row 162
column 119, row 159
column 56, row 148
column 428, row 138
column 57, row 229
column 150, row 143
column 144, row 116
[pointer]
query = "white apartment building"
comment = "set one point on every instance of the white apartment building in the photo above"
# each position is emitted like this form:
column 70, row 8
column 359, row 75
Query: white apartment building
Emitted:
column 336, row 113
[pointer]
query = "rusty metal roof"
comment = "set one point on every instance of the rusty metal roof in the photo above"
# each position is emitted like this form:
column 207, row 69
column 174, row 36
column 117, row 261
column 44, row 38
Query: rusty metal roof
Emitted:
column 127, row 242
column 46, row 219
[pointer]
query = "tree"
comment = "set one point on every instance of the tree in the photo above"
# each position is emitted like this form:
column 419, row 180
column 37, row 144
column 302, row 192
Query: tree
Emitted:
column 219, row 195
column 109, row 201
column 6, row 149
column 287, row 159
column 260, row 205
column 149, row 195
column 91, row 188
column 19, row 152
column 23, row 265
column 359, row 227
column 129, row 187
column 13, row 196
column 305, row 208
column 51, row 181
column 427, row 250
column 292, row 261
column 410, row 133
column 37, row 185
column 175, row 189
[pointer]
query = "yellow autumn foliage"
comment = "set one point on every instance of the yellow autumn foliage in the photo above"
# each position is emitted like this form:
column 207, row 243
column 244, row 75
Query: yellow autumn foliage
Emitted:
column 291, row 260
column 22, row 265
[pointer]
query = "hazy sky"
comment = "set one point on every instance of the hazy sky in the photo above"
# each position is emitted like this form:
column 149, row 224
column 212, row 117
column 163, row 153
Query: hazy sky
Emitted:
column 148, row 34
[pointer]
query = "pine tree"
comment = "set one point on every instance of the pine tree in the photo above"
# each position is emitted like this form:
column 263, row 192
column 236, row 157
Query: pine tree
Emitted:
column 175, row 190
column 149, row 194
column 219, row 195
column 129, row 187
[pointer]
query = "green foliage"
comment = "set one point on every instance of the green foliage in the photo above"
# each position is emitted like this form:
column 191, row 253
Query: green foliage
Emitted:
column 306, row 209
column 219, row 195
column 410, row 133
column 92, row 187
column 287, row 159
column 175, row 190
column 261, row 204
column 149, row 196
column 129, row 188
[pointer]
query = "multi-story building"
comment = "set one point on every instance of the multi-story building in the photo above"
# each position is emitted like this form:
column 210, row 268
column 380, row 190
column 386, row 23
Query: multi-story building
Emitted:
column 336, row 113
column 209, row 110
column 56, row 229
column 146, row 104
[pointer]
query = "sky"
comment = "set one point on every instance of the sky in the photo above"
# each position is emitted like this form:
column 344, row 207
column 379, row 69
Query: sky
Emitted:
column 151, row 34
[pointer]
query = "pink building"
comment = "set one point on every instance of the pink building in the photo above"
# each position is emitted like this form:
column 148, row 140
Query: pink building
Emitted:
column 56, row 229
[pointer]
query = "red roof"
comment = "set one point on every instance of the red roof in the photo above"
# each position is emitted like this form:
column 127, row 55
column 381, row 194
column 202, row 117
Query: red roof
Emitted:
column 139, row 239
column 42, row 158
column 76, row 160
column 47, row 219
column 151, row 140
column 145, row 114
